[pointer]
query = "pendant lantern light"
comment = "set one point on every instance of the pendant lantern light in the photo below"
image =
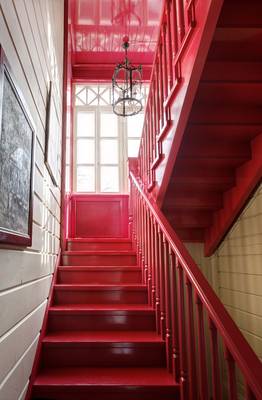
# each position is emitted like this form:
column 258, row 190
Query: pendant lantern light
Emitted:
column 126, row 86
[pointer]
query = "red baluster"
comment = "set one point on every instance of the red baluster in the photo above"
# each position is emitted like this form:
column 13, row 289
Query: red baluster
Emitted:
column 217, row 395
column 174, row 36
column 164, row 61
column 231, row 370
column 202, row 351
column 153, row 266
column 192, row 379
column 141, row 256
column 161, row 285
column 167, row 305
column 157, row 277
column 174, row 317
column 161, row 91
column 180, row 20
column 144, row 245
column 149, row 261
column 157, row 97
column 169, row 44
column 249, row 395
column 182, row 333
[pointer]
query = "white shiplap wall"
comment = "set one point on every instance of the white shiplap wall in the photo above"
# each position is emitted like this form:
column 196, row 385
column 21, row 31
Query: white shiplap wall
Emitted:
column 31, row 34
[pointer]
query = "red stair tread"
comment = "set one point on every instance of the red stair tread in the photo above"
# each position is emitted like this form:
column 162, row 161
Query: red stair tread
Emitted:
column 98, row 268
column 99, row 240
column 94, row 287
column 102, row 307
column 105, row 377
column 99, row 253
column 103, row 336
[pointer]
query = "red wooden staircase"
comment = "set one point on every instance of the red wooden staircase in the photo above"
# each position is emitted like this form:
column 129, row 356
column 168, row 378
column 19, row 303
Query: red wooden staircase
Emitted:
column 100, row 339
column 219, row 161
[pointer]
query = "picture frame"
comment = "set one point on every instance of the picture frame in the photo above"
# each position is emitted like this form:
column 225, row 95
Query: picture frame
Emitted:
column 52, row 137
column 17, row 142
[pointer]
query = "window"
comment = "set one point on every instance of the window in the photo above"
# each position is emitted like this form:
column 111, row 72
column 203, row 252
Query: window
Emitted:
column 102, row 141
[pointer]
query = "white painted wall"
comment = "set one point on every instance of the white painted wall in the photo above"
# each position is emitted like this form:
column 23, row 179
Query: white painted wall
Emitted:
column 31, row 34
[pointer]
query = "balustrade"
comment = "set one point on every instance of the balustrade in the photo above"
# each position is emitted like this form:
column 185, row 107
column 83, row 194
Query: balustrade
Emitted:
column 178, row 21
column 189, row 315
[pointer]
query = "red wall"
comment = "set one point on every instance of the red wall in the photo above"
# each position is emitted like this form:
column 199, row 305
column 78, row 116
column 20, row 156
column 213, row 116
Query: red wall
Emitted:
column 99, row 215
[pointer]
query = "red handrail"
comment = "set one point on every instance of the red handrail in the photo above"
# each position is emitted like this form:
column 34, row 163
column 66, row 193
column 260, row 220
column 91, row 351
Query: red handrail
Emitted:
column 184, row 301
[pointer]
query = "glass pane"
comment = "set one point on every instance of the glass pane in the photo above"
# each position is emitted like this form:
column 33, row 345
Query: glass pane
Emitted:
column 85, row 151
column 85, row 124
column 67, row 178
column 85, row 179
column 133, row 147
column 80, row 95
column 109, row 151
column 108, row 125
column 109, row 179
column 67, row 150
column 92, row 96
column 135, row 125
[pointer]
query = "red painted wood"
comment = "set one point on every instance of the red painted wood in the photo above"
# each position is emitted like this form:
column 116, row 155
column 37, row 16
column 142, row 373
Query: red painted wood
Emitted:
column 202, row 363
column 99, row 294
column 96, row 258
column 217, row 392
column 101, row 383
column 174, row 319
column 102, row 317
column 191, row 335
column 99, row 215
column 231, row 375
column 182, row 332
column 102, row 354
column 66, row 125
column 248, row 177
column 94, row 275
column 98, row 29
column 102, row 244
column 207, row 303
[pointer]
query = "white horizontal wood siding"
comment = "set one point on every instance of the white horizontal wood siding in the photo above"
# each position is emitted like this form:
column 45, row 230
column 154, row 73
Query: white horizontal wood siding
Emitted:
column 31, row 34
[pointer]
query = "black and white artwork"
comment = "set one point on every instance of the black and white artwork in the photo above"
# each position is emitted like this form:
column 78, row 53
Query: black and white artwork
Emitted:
column 52, row 143
column 16, row 164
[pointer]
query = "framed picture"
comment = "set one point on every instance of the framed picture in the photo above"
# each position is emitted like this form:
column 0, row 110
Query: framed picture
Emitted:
column 52, row 139
column 16, row 161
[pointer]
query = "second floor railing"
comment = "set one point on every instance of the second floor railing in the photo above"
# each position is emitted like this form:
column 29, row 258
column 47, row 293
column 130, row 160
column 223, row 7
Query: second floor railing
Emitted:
column 204, row 347
column 176, row 27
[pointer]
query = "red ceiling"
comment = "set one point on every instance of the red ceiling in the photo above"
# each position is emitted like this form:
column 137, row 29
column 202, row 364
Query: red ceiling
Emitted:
column 98, row 27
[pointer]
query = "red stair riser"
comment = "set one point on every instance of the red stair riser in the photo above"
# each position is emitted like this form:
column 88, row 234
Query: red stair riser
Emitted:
column 111, row 296
column 105, row 392
column 92, row 277
column 104, row 355
column 106, row 321
column 99, row 246
column 96, row 260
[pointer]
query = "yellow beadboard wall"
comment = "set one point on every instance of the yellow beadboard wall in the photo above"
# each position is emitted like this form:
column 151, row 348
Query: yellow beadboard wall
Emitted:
column 235, row 271
column 31, row 34
column 239, row 261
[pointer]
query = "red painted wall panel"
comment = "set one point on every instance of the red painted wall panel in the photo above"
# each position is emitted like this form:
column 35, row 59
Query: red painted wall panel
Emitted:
column 99, row 215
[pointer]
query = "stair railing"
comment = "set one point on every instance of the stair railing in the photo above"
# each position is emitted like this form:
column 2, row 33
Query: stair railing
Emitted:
column 176, row 27
column 204, row 347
